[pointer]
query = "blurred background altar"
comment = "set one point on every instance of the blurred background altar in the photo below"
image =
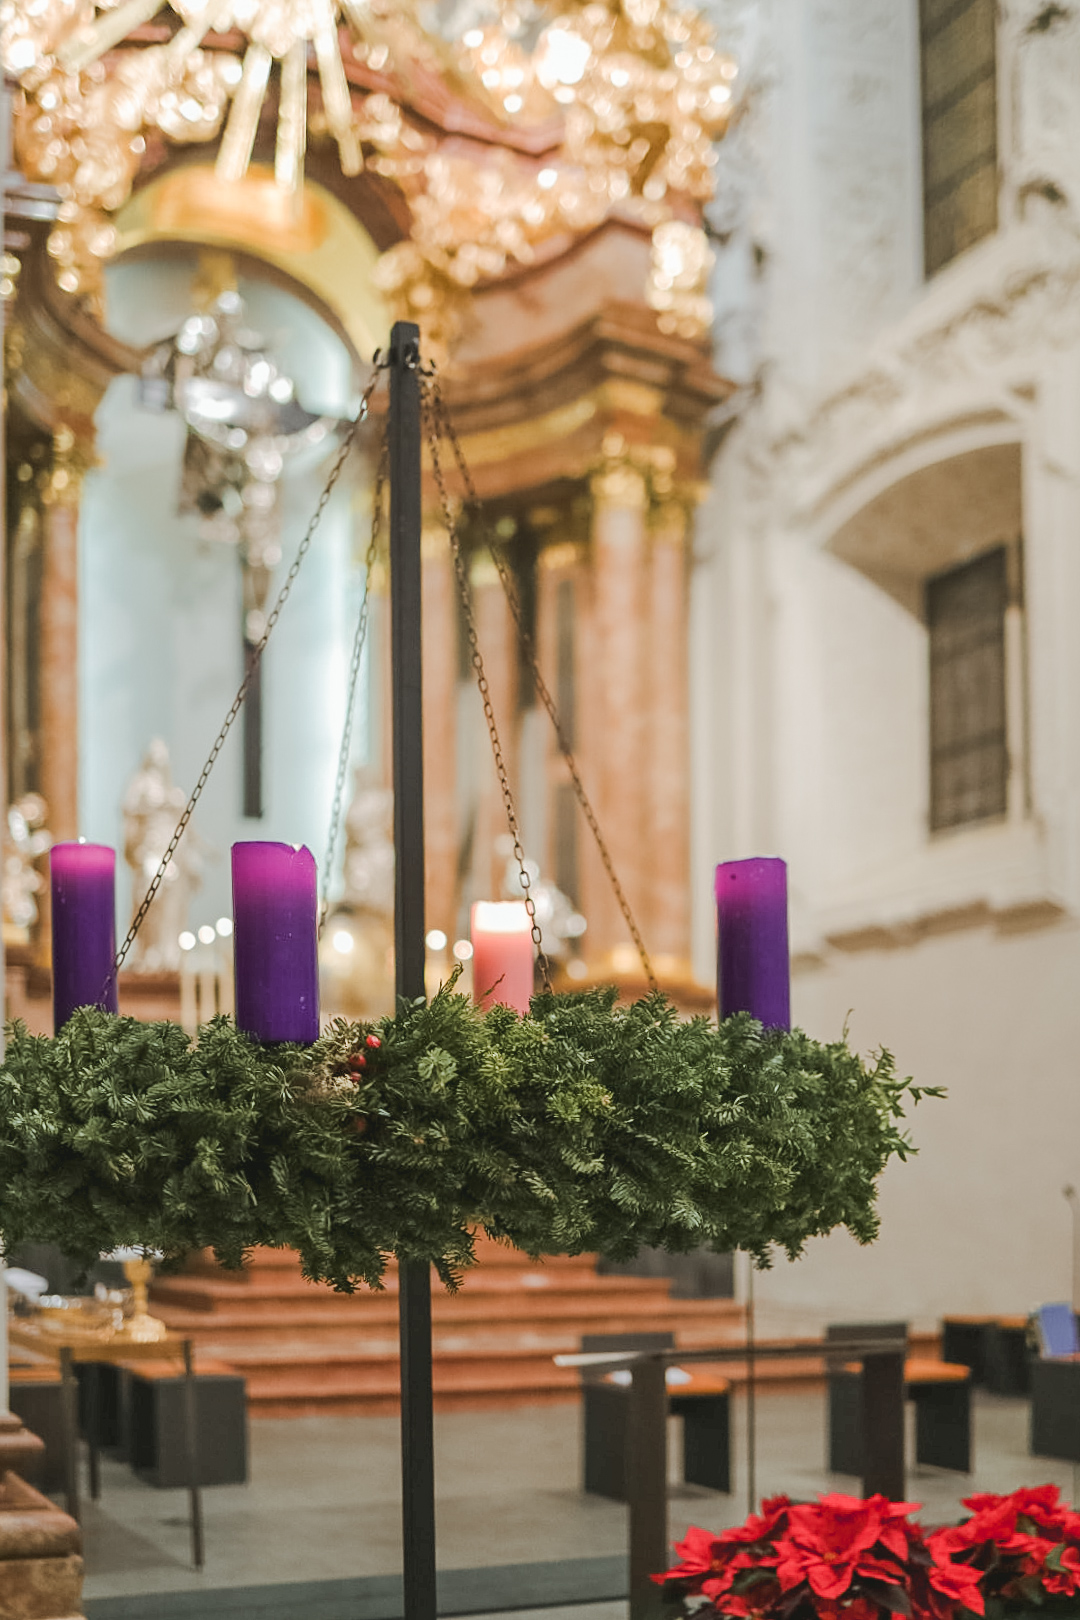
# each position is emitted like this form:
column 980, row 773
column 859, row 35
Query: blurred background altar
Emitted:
column 760, row 331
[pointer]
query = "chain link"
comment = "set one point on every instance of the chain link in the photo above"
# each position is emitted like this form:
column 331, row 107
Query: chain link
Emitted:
column 429, row 399
column 256, row 657
column 443, row 426
column 381, row 472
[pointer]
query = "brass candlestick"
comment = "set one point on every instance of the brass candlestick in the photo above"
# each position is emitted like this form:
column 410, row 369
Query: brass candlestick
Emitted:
column 141, row 1326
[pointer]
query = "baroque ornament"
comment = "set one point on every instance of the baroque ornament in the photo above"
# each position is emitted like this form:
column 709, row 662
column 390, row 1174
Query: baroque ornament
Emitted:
column 582, row 1127
column 562, row 112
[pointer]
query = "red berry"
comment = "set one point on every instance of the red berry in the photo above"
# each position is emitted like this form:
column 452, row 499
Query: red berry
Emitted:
column 359, row 1124
column 357, row 1060
column 374, row 1042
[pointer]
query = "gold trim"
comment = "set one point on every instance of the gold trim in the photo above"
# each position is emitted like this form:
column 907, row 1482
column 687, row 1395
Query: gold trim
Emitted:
column 320, row 245
column 499, row 444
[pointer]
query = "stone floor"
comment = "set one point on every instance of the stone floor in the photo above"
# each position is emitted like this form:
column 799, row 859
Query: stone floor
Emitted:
column 323, row 1500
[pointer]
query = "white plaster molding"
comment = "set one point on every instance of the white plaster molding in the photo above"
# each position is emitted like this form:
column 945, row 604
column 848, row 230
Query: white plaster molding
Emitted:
column 998, row 874
column 971, row 351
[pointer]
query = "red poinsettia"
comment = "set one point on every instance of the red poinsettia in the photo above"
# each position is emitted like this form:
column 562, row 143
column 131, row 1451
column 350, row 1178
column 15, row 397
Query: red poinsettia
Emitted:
column 839, row 1558
column 839, row 1538
column 842, row 1558
column 1019, row 1548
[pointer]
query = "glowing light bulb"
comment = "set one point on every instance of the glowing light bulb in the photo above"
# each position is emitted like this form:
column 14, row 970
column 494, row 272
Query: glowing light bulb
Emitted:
column 563, row 57
column 435, row 940
column 343, row 942
column 463, row 950
column 186, row 941
column 206, row 935
column 224, row 927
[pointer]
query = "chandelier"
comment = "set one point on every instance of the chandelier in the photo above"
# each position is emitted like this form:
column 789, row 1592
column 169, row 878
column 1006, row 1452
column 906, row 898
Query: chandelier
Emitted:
column 571, row 111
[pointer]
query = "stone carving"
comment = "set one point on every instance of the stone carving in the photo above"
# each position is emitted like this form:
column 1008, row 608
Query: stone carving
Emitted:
column 152, row 807
column 1046, row 159
column 27, row 841
column 358, row 939
column 369, row 849
column 561, row 924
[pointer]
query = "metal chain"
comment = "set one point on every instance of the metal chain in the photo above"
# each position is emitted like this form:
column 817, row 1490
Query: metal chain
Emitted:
column 382, row 469
column 444, row 426
column 253, row 664
column 429, row 405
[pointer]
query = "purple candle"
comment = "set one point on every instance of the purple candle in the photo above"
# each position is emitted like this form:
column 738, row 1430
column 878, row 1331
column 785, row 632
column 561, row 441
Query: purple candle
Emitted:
column 83, row 928
column 754, row 973
column 275, row 942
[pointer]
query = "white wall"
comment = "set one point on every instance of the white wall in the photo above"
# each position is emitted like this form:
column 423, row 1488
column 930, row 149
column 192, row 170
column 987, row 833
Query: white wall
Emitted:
column 959, row 952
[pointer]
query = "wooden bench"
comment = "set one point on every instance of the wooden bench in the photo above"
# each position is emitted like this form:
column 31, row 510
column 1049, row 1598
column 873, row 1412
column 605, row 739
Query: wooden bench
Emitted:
column 700, row 1397
column 153, row 1394
column 941, row 1393
column 994, row 1347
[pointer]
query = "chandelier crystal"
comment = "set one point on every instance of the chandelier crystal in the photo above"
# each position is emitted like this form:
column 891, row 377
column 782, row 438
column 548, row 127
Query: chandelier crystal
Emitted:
column 570, row 110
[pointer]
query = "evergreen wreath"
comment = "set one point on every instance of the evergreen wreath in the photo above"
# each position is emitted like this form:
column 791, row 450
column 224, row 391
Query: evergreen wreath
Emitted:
column 582, row 1127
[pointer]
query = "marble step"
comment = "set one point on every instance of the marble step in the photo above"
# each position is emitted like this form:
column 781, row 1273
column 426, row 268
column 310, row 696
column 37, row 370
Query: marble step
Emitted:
column 492, row 1294
column 304, row 1348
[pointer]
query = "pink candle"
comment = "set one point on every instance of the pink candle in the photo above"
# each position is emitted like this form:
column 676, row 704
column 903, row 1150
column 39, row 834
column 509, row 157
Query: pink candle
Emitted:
column 502, row 960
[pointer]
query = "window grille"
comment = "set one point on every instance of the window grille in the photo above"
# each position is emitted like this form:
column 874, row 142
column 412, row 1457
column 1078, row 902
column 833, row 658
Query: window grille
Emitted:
column 959, row 126
column 969, row 758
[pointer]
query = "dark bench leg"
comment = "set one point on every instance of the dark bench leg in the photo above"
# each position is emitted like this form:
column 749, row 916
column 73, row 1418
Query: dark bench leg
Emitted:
column 967, row 1344
column 604, row 1408
column 943, row 1425
column 1008, row 1361
column 1055, row 1409
column 846, row 1448
column 706, row 1440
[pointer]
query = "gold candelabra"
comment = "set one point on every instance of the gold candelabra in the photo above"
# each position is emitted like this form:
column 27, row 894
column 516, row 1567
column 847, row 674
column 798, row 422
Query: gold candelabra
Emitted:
column 140, row 1325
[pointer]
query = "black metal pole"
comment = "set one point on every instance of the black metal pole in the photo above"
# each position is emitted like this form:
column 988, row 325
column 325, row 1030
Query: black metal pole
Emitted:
column 414, row 1308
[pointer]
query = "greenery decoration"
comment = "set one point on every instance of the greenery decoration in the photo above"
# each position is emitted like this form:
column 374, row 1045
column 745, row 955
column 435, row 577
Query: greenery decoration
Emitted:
column 583, row 1127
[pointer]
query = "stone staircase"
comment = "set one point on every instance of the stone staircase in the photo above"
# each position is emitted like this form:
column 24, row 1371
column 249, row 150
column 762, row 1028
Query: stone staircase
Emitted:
column 304, row 1349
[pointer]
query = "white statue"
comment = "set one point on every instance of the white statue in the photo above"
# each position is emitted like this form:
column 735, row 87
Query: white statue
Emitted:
column 369, row 848
column 152, row 807
column 561, row 924
column 357, row 952
column 26, row 841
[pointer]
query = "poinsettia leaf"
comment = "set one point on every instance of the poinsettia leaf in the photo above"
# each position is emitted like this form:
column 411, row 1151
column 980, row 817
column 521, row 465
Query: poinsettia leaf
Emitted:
column 751, row 1577
column 893, row 1598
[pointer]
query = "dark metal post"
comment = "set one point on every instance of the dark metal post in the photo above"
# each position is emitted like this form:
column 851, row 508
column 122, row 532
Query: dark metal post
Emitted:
column 69, row 1419
column 191, row 1456
column 883, row 1423
column 414, row 1309
column 647, row 1483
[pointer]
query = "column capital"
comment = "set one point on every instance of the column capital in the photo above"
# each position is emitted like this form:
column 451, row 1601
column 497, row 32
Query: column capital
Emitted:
column 69, row 464
column 621, row 485
column 633, row 477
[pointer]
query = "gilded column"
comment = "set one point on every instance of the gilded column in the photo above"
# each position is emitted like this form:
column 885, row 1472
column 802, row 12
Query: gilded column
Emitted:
column 440, row 621
column 617, row 730
column 667, row 771
column 59, row 639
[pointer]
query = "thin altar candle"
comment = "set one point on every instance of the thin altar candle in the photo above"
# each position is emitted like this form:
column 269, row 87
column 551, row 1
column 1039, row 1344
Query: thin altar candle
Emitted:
column 502, row 960
column 275, row 941
column 83, row 886
column 754, row 971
